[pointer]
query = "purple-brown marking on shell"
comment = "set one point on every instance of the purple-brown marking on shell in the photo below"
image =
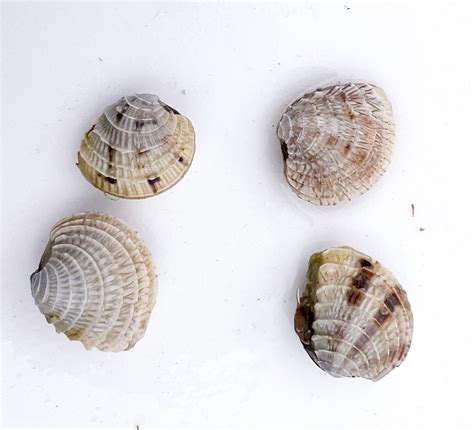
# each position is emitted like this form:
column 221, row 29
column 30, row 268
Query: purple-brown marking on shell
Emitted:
column 353, row 318
column 135, row 141
column 336, row 141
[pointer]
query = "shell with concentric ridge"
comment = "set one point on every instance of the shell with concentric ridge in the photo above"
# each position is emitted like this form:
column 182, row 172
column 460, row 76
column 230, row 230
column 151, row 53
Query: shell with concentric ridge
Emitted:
column 354, row 318
column 96, row 282
column 336, row 141
column 138, row 148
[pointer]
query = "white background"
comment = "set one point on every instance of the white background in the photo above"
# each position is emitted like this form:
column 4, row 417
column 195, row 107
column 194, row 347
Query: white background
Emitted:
column 231, row 241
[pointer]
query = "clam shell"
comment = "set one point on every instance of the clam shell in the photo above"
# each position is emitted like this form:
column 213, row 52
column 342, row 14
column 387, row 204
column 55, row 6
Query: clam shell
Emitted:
column 96, row 282
column 138, row 148
column 354, row 318
column 336, row 141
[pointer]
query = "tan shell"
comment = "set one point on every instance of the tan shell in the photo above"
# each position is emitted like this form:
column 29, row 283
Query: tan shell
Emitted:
column 138, row 148
column 354, row 318
column 336, row 141
column 96, row 282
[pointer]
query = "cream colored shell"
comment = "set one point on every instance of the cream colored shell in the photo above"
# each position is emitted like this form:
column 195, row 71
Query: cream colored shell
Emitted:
column 96, row 282
column 138, row 148
column 354, row 318
column 336, row 141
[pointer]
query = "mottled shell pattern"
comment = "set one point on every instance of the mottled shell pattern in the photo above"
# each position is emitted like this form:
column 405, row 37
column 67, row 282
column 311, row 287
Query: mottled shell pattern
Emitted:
column 336, row 141
column 354, row 318
column 96, row 282
column 138, row 148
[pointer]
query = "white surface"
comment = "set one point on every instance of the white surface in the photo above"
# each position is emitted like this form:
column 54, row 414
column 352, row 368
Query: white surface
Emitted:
column 231, row 241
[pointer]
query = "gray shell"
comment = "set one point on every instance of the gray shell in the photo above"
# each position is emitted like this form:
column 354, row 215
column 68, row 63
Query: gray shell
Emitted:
column 138, row 148
column 354, row 318
column 96, row 282
column 336, row 141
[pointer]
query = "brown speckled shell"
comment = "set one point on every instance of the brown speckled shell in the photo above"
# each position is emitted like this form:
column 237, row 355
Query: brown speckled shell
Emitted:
column 336, row 141
column 138, row 148
column 353, row 318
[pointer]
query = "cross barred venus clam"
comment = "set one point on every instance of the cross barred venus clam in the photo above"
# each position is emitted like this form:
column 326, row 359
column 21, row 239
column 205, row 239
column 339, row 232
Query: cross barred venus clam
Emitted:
column 138, row 148
column 354, row 318
column 336, row 141
column 96, row 282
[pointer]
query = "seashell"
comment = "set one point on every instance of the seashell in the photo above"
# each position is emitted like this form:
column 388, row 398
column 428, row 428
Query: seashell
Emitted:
column 96, row 282
column 354, row 318
column 138, row 148
column 336, row 141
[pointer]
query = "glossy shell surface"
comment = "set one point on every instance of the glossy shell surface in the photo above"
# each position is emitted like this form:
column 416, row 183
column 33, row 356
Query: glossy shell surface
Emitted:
column 336, row 141
column 138, row 148
column 96, row 282
column 353, row 318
